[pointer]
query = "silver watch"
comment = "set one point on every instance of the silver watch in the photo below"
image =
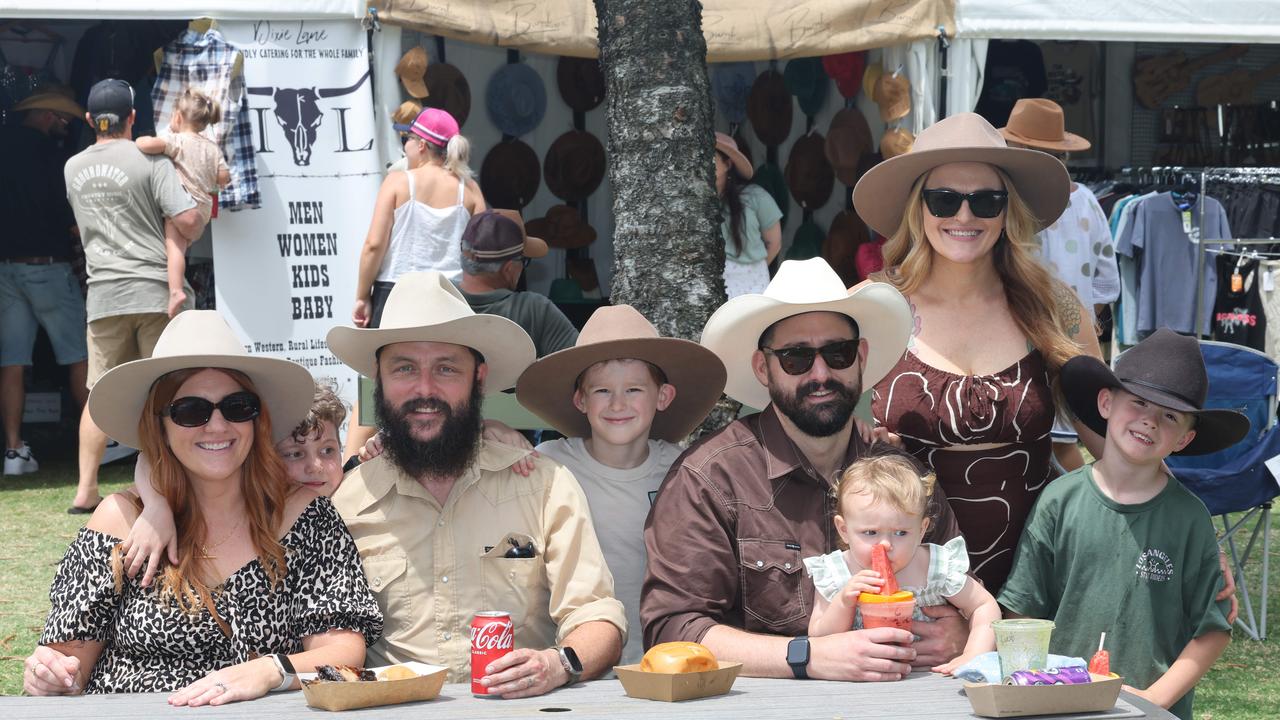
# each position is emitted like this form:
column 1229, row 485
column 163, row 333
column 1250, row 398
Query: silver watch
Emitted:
column 570, row 662
column 287, row 673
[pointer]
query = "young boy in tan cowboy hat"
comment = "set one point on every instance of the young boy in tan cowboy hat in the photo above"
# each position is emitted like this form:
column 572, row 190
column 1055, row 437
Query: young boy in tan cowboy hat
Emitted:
column 1121, row 547
column 623, row 397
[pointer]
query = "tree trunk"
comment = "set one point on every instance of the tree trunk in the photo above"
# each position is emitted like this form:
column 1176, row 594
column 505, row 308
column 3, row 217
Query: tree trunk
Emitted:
column 668, row 253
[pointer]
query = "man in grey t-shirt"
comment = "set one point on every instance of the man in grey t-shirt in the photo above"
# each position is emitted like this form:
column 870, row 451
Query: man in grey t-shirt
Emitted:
column 121, row 198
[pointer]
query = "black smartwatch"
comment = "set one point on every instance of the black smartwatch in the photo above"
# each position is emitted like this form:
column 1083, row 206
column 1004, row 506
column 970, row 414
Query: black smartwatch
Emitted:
column 571, row 664
column 798, row 657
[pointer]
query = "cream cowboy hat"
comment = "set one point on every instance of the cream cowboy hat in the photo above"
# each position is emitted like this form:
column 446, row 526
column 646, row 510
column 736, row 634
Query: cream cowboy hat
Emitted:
column 618, row 332
column 199, row 339
column 801, row 286
column 426, row 307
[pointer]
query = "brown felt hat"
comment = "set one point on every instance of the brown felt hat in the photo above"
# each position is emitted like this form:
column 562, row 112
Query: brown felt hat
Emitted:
column 848, row 139
column 510, row 174
column 840, row 248
column 411, row 70
column 449, row 91
column 881, row 195
column 52, row 101
column 563, row 227
column 620, row 332
column 1038, row 123
column 581, row 83
column 896, row 141
column 574, row 165
column 769, row 108
column 808, row 173
column 729, row 147
column 893, row 95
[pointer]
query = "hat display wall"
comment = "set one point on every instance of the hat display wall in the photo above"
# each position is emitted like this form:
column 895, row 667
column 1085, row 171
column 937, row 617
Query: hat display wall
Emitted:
column 515, row 99
column 412, row 69
column 807, row 242
column 426, row 307
column 769, row 108
column 800, row 286
column 806, row 80
column 510, row 174
column 563, row 227
column 881, row 195
column 449, row 91
column 574, row 165
column 893, row 95
column 1038, row 123
column 620, row 332
column 840, row 247
column 198, row 339
column 731, row 86
column 847, row 70
column 896, row 141
column 53, row 102
column 808, row 173
column 581, row 83
column 848, row 139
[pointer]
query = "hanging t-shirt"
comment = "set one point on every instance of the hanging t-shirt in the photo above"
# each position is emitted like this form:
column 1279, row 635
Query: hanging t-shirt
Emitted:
column 1078, row 248
column 1238, row 315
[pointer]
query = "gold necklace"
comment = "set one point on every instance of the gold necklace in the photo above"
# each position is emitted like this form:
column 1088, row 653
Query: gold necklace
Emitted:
column 205, row 553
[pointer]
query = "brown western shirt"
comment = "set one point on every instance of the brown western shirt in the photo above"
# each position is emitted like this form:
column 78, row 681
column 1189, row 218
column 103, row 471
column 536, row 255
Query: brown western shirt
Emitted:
column 729, row 528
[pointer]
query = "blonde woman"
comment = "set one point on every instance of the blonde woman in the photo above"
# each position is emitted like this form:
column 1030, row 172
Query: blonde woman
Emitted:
column 973, row 394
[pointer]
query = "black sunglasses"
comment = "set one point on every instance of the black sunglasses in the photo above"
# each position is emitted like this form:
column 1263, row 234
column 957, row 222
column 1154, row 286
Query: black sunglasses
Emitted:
column 194, row 412
column 798, row 360
column 982, row 203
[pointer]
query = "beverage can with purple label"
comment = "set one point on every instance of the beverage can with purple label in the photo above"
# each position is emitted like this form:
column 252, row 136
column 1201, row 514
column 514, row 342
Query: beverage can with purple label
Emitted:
column 1052, row 676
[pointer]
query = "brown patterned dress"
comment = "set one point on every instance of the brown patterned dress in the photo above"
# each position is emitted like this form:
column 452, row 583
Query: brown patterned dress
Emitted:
column 991, row 491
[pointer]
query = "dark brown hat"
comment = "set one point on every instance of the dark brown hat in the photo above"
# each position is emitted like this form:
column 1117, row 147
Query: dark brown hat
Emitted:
column 769, row 108
column 840, row 249
column 574, row 165
column 581, row 83
column 509, row 176
column 808, row 172
column 848, row 140
column 498, row 234
column 563, row 227
column 449, row 91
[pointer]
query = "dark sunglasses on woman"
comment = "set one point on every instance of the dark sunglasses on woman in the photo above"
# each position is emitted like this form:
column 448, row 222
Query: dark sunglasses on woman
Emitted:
column 194, row 412
column 798, row 360
column 985, row 204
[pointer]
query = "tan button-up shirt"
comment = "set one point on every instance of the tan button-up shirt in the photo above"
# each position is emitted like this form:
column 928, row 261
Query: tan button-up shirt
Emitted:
column 431, row 567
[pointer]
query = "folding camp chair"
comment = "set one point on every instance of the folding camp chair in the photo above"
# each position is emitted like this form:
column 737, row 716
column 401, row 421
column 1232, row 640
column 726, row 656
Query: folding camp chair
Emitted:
column 1236, row 480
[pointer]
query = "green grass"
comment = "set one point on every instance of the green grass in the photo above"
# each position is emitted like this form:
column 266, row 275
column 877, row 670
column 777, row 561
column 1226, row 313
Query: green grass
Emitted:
column 1243, row 685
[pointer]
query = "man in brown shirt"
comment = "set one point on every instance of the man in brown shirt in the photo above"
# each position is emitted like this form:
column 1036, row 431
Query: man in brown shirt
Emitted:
column 740, row 509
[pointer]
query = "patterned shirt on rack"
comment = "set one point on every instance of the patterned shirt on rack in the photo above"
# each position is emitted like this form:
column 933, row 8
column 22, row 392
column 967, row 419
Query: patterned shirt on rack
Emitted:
column 210, row 63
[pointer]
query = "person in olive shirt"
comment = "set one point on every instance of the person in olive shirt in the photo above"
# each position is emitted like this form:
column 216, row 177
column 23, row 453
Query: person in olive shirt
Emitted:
column 739, row 511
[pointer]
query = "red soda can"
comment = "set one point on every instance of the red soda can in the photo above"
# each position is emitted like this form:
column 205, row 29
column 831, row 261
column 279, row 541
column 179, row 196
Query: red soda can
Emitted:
column 492, row 637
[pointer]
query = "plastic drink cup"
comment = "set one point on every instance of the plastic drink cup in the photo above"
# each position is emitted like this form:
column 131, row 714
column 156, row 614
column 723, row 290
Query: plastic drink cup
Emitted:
column 1022, row 644
column 887, row 610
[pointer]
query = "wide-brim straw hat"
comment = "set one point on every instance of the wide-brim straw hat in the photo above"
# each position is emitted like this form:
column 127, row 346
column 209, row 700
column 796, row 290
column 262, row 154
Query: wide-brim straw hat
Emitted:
column 729, row 147
column 1039, row 123
column 1040, row 179
column 802, row 286
column 620, row 332
column 426, row 307
column 52, row 101
column 412, row 69
column 198, row 339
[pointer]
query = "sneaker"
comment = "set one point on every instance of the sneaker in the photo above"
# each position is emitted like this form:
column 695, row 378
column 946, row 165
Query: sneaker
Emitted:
column 18, row 461
column 116, row 451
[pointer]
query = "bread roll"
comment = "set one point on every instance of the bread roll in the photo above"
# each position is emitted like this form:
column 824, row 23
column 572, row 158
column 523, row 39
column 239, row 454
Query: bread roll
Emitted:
column 397, row 672
column 678, row 657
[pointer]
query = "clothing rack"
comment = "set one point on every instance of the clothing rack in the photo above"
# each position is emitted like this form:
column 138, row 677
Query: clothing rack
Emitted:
column 1250, row 175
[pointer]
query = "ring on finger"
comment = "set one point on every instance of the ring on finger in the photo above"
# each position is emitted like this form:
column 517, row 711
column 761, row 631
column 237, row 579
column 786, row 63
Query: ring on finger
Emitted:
column 221, row 686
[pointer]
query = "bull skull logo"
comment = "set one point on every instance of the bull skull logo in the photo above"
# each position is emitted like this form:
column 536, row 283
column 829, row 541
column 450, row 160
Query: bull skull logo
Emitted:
column 297, row 110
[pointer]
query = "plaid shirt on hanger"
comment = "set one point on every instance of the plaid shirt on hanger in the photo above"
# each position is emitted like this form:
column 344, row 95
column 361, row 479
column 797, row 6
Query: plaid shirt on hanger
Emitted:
column 208, row 62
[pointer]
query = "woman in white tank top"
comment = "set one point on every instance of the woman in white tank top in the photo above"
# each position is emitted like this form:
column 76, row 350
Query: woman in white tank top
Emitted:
column 420, row 214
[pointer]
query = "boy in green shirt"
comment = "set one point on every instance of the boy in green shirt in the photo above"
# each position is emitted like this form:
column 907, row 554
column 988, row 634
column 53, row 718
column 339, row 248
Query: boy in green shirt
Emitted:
column 1121, row 547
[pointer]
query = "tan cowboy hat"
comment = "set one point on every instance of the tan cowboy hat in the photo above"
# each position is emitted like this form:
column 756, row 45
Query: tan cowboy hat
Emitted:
column 198, row 339
column 893, row 95
column 896, row 141
column 52, row 101
column 881, row 195
column 1038, row 123
column 729, row 147
column 620, row 332
column 801, row 286
column 871, row 78
column 412, row 70
column 426, row 307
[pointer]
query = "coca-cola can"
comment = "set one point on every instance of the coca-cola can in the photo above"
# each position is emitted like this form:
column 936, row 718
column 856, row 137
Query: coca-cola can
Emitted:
column 492, row 637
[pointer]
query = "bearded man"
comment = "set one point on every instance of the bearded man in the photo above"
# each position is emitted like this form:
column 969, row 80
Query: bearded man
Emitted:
column 446, row 527
column 740, row 509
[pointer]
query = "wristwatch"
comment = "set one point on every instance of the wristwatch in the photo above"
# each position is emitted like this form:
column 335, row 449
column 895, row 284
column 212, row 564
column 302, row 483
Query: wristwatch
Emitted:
column 798, row 657
column 287, row 673
column 570, row 662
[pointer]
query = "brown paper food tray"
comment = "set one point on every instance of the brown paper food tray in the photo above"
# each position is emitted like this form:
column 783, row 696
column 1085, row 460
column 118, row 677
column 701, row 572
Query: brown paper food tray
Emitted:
column 674, row 687
column 352, row 695
column 990, row 700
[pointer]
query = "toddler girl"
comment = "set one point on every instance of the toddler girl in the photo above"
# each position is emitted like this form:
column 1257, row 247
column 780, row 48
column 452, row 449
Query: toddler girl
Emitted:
column 882, row 500
column 202, row 170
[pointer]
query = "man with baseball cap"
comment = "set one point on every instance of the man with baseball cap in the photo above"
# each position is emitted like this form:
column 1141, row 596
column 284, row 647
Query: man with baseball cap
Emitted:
column 121, row 198
column 495, row 251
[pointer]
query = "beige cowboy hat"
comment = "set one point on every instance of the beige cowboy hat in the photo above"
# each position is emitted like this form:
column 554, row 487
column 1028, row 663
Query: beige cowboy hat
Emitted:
column 801, row 286
column 198, row 339
column 1041, row 179
column 893, row 95
column 426, row 307
column 53, row 102
column 729, row 147
column 1039, row 124
column 613, row 333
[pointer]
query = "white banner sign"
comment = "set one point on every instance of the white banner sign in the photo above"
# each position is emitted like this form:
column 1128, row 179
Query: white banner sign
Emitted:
column 286, row 272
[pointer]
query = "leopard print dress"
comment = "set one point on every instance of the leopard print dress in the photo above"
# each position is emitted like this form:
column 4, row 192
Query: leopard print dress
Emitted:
column 150, row 645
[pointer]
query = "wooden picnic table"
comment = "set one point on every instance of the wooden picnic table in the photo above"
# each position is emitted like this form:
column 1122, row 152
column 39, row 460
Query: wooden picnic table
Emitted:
column 922, row 695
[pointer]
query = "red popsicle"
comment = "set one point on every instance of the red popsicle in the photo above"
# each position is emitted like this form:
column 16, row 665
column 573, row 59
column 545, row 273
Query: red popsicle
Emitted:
column 880, row 563
column 1100, row 663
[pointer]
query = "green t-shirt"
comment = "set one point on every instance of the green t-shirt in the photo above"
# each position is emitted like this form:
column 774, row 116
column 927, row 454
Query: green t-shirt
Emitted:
column 759, row 213
column 1144, row 574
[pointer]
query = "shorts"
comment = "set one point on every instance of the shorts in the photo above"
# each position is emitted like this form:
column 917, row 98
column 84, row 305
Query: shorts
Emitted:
column 741, row 279
column 119, row 339
column 378, row 301
column 1064, row 431
column 33, row 296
